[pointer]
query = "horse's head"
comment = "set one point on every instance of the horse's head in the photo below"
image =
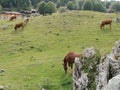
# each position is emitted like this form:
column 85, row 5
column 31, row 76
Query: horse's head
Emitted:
column 101, row 25
column 65, row 65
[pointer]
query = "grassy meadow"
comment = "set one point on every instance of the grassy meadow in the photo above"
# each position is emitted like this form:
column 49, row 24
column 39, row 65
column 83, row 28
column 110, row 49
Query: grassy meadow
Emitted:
column 32, row 58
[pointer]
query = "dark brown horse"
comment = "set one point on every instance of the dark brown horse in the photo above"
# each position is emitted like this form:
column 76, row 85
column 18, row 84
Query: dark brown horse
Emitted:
column 69, row 60
column 13, row 17
column 105, row 22
column 19, row 25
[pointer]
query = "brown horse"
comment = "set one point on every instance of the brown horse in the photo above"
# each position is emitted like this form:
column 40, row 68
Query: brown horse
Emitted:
column 13, row 17
column 105, row 22
column 69, row 60
column 19, row 25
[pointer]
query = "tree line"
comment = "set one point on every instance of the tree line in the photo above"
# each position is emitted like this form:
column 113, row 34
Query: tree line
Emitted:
column 51, row 6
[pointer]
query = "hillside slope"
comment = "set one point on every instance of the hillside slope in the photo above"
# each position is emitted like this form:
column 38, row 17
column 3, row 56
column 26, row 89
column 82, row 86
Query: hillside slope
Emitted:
column 32, row 58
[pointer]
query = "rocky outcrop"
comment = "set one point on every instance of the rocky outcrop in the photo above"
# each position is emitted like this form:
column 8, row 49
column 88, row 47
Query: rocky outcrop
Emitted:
column 79, row 77
column 85, row 70
column 93, row 72
column 114, row 83
column 109, row 68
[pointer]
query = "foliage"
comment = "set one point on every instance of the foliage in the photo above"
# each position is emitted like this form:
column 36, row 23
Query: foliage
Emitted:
column 79, row 4
column 16, row 4
column 98, row 7
column 87, row 5
column 90, row 67
column 95, row 5
column 50, row 8
column 62, row 9
column 115, row 7
column 71, row 5
column 1, row 8
column 42, row 7
column 47, row 8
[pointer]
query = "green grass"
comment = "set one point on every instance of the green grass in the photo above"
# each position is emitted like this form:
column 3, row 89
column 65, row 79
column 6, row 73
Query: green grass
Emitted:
column 32, row 58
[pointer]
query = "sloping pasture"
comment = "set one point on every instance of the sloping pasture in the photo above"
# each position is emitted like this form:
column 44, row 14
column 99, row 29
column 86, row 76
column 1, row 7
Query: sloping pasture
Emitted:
column 32, row 58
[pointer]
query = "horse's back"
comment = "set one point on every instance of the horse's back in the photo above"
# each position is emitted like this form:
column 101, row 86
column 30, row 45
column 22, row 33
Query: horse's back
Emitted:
column 12, row 17
column 107, row 21
column 18, row 25
column 70, row 56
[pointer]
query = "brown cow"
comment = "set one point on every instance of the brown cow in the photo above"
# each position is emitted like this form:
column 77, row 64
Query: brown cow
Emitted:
column 69, row 60
column 13, row 17
column 19, row 25
column 105, row 22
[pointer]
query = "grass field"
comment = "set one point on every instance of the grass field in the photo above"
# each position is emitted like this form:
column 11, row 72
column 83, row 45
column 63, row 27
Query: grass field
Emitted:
column 32, row 58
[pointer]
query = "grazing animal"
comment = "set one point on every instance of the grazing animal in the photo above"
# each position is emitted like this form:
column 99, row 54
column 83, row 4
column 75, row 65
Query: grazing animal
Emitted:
column 13, row 17
column 19, row 25
column 26, row 20
column 105, row 22
column 69, row 60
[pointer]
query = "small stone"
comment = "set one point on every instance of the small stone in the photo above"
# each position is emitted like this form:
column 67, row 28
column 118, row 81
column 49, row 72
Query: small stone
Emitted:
column 2, row 70
column 1, row 87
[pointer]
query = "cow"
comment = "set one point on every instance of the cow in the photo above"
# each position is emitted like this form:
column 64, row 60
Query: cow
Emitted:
column 105, row 22
column 13, row 17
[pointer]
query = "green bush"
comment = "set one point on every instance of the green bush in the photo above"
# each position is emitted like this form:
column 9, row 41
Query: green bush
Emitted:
column 90, row 68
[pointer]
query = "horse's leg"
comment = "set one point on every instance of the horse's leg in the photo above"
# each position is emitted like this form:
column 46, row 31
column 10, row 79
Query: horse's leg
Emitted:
column 110, row 25
column 22, row 27
column 103, row 26
column 69, row 66
column 15, row 29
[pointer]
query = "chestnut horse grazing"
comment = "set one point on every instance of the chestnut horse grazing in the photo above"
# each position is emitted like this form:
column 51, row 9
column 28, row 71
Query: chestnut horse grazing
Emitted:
column 69, row 60
column 12, row 17
column 18, row 25
column 106, row 22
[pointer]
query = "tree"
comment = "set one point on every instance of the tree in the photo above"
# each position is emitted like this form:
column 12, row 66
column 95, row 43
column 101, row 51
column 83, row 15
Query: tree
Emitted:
column 16, row 4
column 71, row 5
column 34, row 3
column 115, row 7
column 99, row 7
column 1, row 8
column 80, row 3
column 27, row 5
column 50, row 8
column 87, row 5
column 42, row 7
